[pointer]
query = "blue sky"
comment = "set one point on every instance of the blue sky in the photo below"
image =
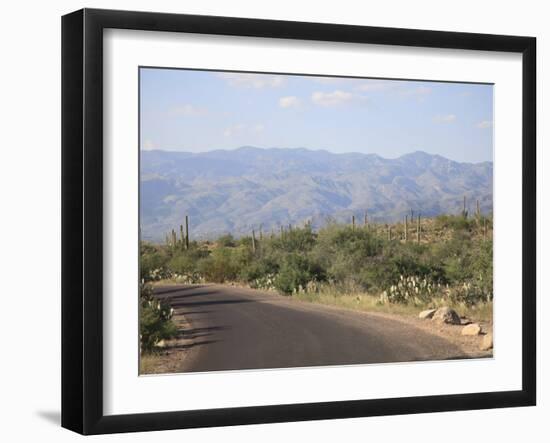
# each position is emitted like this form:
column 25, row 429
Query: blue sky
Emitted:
column 198, row 111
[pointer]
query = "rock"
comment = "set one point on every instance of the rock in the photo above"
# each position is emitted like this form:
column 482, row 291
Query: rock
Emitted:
column 428, row 313
column 487, row 342
column 446, row 315
column 161, row 344
column 471, row 329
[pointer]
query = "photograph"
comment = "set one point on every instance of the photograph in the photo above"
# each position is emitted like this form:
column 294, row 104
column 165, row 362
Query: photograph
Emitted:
column 298, row 220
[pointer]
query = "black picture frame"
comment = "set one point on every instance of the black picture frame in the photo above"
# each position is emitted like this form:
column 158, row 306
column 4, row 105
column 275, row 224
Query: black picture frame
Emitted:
column 82, row 218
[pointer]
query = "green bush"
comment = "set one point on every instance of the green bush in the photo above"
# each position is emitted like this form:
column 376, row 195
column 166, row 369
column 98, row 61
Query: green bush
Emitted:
column 296, row 272
column 455, row 253
column 224, row 264
column 259, row 268
column 227, row 241
column 294, row 240
column 152, row 258
column 347, row 254
column 186, row 261
column 155, row 320
column 455, row 222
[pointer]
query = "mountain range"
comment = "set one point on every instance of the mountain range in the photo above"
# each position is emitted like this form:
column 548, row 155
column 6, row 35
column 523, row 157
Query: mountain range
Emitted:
column 235, row 191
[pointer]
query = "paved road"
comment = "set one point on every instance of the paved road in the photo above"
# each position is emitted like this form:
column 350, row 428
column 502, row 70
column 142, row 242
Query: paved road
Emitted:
column 235, row 328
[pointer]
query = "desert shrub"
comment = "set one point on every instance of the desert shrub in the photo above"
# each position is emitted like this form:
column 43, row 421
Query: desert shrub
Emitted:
column 155, row 320
column 294, row 240
column 346, row 253
column 482, row 266
column 398, row 259
column 186, row 261
column 153, row 260
column 468, row 293
column 295, row 272
column 411, row 289
column 227, row 241
column 259, row 268
column 224, row 264
column 457, row 257
column 454, row 222
column 465, row 260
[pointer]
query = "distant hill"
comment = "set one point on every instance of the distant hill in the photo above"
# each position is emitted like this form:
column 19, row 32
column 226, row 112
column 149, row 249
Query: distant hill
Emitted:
column 237, row 190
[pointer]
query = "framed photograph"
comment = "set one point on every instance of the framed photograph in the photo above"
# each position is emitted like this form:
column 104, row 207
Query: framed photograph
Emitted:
column 268, row 221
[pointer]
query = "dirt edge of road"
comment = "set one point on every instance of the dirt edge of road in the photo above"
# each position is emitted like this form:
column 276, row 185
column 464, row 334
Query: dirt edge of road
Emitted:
column 170, row 355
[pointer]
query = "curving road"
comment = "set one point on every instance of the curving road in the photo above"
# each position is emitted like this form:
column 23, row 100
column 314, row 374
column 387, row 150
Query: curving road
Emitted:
column 236, row 328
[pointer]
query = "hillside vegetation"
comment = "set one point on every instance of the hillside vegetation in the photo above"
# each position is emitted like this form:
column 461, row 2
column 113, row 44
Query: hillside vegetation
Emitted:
column 448, row 261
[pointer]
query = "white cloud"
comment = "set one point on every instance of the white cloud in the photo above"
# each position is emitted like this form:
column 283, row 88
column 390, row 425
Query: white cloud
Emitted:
column 189, row 110
column 334, row 98
column 289, row 102
column 256, row 81
column 484, row 124
column 447, row 118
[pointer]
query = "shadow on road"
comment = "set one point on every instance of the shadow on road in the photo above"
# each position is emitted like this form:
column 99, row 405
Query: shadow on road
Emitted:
column 169, row 298
column 195, row 312
column 201, row 332
column 170, row 290
column 191, row 345
column 176, row 304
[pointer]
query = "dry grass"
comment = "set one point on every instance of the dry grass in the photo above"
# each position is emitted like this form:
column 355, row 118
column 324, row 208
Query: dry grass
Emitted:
column 148, row 363
column 362, row 301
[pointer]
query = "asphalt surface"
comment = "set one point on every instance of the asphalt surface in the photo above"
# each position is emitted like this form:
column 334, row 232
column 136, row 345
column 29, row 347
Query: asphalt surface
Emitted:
column 234, row 328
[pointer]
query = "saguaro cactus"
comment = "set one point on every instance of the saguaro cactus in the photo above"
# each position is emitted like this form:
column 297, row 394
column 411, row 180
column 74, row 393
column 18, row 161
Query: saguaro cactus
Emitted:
column 253, row 241
column 418, row 229
column 186, row 232
column 464, row 210
column 353, row 222
column 182, row 237
column 406, row 227
column 389, row 232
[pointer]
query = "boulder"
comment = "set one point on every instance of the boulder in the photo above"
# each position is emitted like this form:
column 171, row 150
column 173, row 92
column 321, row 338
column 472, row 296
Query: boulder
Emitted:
column 428, row 313
column 471, row 329
column 446, row 315
column 487, row 342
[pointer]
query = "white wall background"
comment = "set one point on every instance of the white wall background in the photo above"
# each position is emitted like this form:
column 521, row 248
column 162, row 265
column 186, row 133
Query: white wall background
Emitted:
column 30, row 218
